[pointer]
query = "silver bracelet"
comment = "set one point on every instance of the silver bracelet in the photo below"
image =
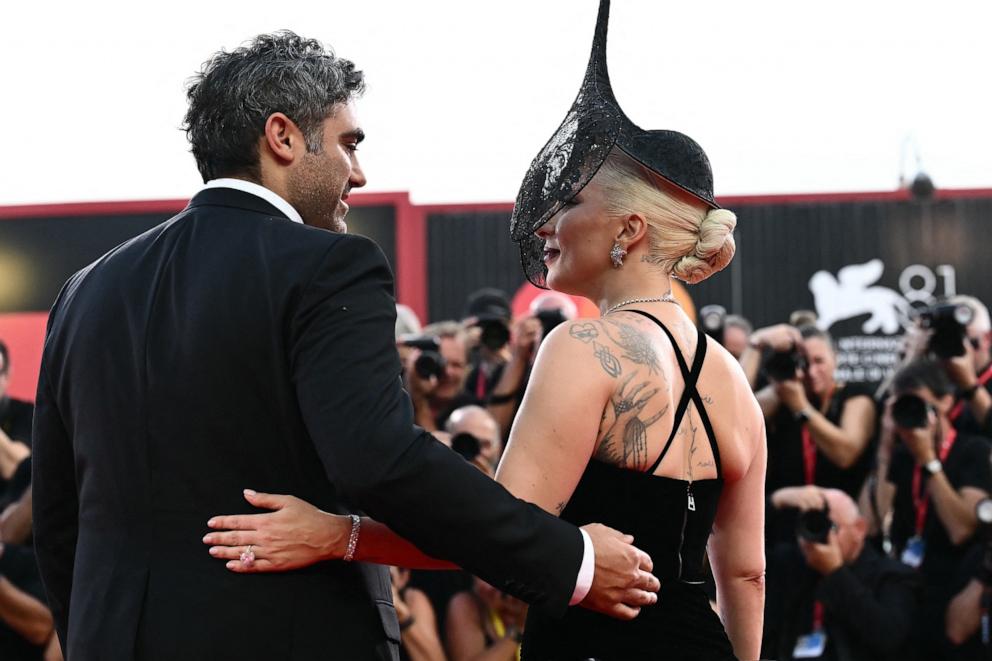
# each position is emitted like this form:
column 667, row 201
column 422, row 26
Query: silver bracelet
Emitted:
column 356, row 527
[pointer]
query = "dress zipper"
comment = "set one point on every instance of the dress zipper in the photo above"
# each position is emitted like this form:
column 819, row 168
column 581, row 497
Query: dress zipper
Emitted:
column 690, row 507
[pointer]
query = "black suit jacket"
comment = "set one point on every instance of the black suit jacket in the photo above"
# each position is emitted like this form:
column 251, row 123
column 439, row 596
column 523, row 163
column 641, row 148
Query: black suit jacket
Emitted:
column 228, row 348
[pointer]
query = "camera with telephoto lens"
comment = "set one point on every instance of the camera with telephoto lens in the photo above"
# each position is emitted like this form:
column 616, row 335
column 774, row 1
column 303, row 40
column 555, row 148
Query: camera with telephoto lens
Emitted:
column 495, row 334
column 910, row 412
column 712, row 319
column 815, row 525
column 466, row 445
column 782, row 365
column 948, row 322
column 430, row 362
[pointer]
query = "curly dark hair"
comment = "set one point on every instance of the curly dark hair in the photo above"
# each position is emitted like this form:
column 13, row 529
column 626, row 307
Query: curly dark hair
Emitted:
column 235, row 93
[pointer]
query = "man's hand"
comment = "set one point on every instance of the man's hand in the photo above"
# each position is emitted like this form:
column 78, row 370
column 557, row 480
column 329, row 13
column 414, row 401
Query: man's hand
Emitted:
column 823, row 558
column 780, row 337
column 295, row 534
column 524, row 338
column 804, row 498
column 961, row 369
column 623, row 581
column 920, row 442
column 792, row 393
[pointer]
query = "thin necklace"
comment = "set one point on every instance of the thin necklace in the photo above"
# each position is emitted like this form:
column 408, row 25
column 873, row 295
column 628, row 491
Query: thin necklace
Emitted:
column 664, row 298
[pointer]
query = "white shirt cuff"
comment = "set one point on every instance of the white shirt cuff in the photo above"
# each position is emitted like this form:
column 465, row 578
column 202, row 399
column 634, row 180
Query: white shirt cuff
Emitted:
column 586, row 570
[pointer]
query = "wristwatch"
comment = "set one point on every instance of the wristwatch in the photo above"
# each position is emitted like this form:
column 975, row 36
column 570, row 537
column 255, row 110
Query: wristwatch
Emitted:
column 934, row 466
column 804, row 414
column 969, row 393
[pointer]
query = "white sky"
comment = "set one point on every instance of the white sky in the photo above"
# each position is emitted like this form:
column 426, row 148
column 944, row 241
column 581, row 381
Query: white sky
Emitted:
column 784, row 96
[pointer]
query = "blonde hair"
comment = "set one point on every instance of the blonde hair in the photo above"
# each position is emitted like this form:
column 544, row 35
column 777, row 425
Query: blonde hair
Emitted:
column 686, row 240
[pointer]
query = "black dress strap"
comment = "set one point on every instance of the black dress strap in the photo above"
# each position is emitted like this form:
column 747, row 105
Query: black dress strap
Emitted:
column 690, row 393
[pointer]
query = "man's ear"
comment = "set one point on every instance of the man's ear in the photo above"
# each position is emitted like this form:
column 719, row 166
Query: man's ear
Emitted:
column 283, row 139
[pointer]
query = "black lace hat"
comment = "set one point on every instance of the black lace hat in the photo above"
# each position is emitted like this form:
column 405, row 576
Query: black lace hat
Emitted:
column 594, row 125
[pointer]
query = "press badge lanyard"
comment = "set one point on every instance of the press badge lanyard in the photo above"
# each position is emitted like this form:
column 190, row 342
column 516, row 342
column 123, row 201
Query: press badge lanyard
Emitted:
column 809, row 445
column 812, row 646
column 982, row 381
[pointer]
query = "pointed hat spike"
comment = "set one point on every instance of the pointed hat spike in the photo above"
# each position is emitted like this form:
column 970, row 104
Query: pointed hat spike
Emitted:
column 597, row 69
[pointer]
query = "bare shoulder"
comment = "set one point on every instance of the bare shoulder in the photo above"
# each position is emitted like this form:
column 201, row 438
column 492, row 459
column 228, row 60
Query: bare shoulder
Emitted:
column 583, row 347
column 738, row 416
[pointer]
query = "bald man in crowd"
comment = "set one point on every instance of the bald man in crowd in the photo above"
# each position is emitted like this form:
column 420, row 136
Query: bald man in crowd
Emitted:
column 839, row 600
column 478, row 422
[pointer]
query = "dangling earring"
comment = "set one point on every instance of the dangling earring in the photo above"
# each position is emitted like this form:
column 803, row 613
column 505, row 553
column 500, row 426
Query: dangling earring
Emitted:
column 617, row 253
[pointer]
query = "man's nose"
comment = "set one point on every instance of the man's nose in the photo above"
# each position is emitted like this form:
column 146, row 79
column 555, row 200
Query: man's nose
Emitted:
column 357, row 178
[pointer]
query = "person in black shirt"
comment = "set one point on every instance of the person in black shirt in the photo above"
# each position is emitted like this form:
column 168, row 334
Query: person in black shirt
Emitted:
column 970, row 372
column 938, row 475
column 819, row 431
column 963, row 620
column 15, row 424
column 859, row 602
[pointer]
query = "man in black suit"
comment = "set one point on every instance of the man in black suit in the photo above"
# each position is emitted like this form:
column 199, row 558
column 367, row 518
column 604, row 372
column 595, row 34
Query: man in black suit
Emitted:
column 233, row 347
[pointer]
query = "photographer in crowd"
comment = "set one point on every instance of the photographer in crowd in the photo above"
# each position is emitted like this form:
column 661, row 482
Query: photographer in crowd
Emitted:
column 505, row 397
column 485, row 624
column 15, row 424
column 972, row 590
column 832, row 596
column 487, row 320
column 936, row 477
column 819, row 431
column 736, row 335
column 958, row 332
column 476, row 422
column 419, row 638
column 436, row 372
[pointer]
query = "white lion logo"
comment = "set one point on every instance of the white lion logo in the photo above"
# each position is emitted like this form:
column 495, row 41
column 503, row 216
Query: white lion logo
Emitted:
column 849, row 295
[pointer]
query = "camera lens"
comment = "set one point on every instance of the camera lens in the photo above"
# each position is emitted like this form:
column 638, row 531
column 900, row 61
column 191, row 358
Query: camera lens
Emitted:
column 983, row 511
column 814, row 526
column 963, row 315
column 495, row 335
column 466, row 445
column 782, row 365
column 428, row 364
column 910, row 412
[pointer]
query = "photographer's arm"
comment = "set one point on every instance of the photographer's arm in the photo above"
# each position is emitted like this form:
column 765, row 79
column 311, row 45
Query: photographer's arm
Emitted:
column 955, row 508
column 961, row 370
column 845, row 443
column 24, row 614
column 768, row 401
column 751, row 363
column 504, row 399
column 964, row 613
column 12, row 453
column 15, row 521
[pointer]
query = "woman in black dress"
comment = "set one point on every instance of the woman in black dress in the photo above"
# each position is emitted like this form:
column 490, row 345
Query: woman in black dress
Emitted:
column 634, row 420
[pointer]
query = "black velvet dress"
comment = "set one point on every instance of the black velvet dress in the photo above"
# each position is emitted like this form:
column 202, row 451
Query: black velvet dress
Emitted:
column 671, row 520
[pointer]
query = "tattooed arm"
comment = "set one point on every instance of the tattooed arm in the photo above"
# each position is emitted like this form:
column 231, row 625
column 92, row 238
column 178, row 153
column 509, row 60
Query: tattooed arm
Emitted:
column 554, row 434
